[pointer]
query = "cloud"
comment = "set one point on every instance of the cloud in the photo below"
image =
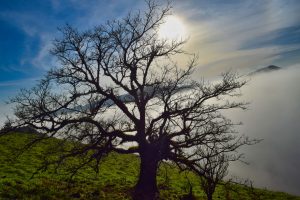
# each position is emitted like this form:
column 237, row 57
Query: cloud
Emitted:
column 246, row 34
column 40, row 33
column 41, row 25
column 16, row 83
column 274, row 117
column 244, row 61
column 43, row 59
column 220, row 33
column 6, row 110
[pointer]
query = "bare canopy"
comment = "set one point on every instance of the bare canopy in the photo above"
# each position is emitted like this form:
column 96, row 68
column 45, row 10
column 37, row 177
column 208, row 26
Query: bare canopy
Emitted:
column 117, row 83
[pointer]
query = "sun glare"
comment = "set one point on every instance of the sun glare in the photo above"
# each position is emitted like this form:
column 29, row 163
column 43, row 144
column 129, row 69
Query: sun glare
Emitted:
column 173, row 29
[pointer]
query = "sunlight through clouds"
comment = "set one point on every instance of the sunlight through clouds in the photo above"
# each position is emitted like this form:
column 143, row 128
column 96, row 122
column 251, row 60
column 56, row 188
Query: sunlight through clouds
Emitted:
column 226, row 35
column 173, row 29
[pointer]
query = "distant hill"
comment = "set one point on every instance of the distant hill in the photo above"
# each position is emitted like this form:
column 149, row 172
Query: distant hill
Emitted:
column 269, row 68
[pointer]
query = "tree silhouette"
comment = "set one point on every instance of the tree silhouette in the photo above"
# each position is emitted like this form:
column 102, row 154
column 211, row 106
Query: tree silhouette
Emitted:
column 117, row 87
column 6, row 127
column 213, row 167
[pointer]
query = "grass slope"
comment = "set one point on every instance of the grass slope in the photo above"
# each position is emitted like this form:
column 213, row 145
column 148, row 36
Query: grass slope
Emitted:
column 118, row 174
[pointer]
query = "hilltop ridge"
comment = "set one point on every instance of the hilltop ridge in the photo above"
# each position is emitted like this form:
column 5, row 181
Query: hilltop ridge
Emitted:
column 269, row 68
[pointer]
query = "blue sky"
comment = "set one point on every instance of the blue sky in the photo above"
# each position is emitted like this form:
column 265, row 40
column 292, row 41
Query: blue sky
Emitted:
column 225, row 34
column 28, row 29
column 242, row 35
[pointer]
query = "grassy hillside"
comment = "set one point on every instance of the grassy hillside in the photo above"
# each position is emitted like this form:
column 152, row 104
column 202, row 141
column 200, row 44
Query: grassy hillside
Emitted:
column 118, row 174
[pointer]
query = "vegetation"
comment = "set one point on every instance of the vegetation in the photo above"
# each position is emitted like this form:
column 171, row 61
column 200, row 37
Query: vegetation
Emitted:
column 117, row 84
column 116, row 181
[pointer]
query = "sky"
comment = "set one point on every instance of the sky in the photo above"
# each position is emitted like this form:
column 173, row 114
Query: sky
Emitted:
column 226, row 35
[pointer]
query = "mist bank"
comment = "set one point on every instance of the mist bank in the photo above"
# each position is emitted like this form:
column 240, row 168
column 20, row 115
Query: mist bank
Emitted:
column 273, row 116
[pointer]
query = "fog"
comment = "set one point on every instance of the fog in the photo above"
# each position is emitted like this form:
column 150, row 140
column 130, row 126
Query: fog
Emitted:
column 273, row 115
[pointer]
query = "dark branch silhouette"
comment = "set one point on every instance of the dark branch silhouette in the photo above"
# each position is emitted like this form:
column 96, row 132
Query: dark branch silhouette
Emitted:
column 214, row 167
column 117, row 85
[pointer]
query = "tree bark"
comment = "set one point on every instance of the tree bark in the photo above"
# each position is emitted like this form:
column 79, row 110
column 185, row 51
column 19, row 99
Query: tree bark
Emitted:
column 146, row 188
column 209, row 194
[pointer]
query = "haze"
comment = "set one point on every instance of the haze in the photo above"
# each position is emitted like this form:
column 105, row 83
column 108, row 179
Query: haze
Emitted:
column 226, row 35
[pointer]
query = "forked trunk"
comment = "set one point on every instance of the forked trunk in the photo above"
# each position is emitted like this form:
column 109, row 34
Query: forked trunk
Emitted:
column 146, row 188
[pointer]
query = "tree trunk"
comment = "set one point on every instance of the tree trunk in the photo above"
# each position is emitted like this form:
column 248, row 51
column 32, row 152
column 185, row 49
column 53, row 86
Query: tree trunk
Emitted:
column 146, row 188
column 209, row 196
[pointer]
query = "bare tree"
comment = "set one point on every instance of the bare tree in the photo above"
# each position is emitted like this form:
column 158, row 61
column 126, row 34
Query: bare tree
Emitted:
column 117, row 85
column 213, row 168
column 7, row 127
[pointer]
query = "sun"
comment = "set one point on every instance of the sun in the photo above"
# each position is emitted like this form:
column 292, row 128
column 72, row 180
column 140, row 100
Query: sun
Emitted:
column 173, row 29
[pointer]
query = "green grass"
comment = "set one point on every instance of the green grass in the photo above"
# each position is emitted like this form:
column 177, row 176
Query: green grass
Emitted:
column 118, row 175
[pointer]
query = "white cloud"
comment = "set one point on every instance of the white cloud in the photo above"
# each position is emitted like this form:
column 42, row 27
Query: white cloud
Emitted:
column 244, row 61
column 39, row 35
column 219, row 35
column 217, row 32
column 19, row 82
column 273, row 116
column 6, row 110
column 44, row 59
